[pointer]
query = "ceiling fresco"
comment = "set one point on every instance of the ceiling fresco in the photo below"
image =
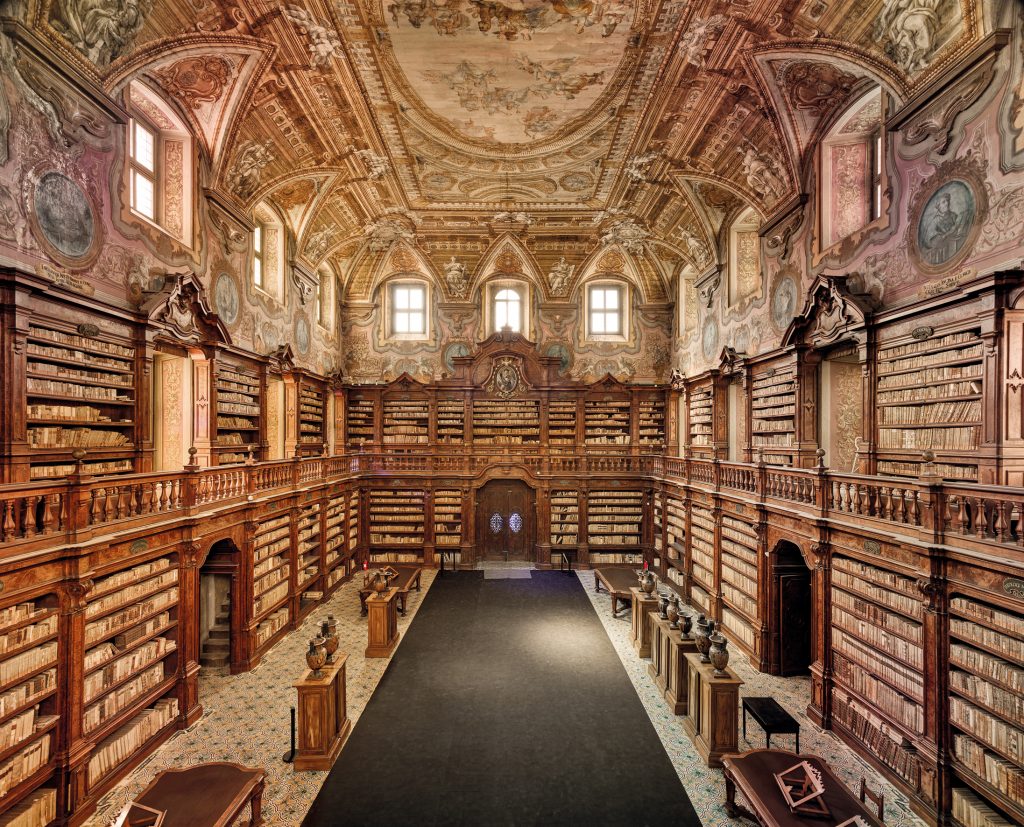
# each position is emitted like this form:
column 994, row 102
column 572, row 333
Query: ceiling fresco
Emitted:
column 574, row 126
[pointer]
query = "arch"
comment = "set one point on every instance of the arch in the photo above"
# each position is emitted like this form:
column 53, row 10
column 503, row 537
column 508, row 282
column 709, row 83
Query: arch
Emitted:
column 791, row 610
column 507, row 256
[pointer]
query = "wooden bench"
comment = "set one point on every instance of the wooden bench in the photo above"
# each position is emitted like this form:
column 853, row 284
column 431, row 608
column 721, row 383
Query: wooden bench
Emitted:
column 617, row 582
column 774, row 720
column 405, row 579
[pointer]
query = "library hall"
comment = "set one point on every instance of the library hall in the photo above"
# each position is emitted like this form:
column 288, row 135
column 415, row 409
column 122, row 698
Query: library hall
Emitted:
column 506, row 413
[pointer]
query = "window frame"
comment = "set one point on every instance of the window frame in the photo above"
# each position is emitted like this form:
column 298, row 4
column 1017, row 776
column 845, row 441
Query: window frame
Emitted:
column 492, row 289
column 259, row 239
column 393, row 309
column 137, row 169
column 621, row 289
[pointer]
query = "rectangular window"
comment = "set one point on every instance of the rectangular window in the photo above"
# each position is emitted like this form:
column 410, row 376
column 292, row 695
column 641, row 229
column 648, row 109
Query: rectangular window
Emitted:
column 257, row 256
column 408, row 309
column 143, row 170
column 320, row 303
column 605, row 311
column 876, row 177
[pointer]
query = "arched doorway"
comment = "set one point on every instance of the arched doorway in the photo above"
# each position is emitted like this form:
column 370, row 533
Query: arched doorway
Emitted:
column 793, row 609
column 216, row 623
column 505, row 521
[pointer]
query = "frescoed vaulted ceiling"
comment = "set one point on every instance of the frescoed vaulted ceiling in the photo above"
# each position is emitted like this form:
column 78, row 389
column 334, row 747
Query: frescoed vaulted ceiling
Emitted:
column 574, row 125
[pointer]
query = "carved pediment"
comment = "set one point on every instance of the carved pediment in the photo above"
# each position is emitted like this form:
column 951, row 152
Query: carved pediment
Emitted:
column 179, row 310
column 831, row 314
column 283, row 359
column 730, row 359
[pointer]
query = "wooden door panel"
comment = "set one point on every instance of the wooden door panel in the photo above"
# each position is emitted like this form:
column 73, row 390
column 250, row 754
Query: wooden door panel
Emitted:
column 504, row 520
column 794, row 623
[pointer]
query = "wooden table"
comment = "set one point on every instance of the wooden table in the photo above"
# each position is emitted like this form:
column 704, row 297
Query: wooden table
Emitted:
column 617, row 582
column 382, row 626
column 407, row 578
column 324, row 725
column 774, row 720
column 206, row 795
column 753, row 774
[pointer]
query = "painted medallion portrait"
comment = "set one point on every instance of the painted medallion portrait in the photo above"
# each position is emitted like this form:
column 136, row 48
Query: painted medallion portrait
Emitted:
column 453, row 350
column 709, row 339
column 945, row 223
column 225, row 294
column 302, row 335
column 783, row 304
column 64, row 215
column 562, row 353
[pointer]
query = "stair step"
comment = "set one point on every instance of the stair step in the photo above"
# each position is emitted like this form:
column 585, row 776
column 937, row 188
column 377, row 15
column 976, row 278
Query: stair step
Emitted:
column 216, row 646
column 219, row 660
column 218, row 633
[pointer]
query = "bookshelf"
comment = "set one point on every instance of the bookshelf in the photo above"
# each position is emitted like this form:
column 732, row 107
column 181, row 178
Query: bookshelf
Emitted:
column 986, row 712
column 130, row 666
column 406, row 421
column 506, row 421
column 562, row 421
column 353, row 522
column 447, row 517
column 396, row 522
column 657, row 524
column 878, row 661
column 675, row 535
column 565, row 518
column 700, row 416
column 335, row 536
column 451, row 416
column 773, row 415
column 80, row 392
column 702, row 555
column 651, row 422
column 615, row 518
column 271, row 574
column 29, row 706
column 606, row 421
column 929, row 397
column 359, row 416
column 312, row 406
column 739, row 579
column 239, row 408
column 308, row 566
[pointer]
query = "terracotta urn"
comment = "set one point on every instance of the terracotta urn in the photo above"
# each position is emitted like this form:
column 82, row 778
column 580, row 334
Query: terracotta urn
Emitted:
column 329, row 632
column 647, row 582
column 686, row 623
column 316, row 657
column 380, row 582
column 718, row 654
column 663, row 606
column 672, row 613
column 702, row 631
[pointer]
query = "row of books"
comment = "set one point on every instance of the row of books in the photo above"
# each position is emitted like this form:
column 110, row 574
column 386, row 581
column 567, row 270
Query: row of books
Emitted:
column 26, row 634
column 381, row 539
column 271, row 625
column 1009, row 704
column 126, row 741
column 129, row 616
column 1012, row 623
column 136, row 573
column 614, row 540
column 995, row 732
column 100, row 680
column 131, row 591
column 88, row 359
column 27, row 662
column 270, row 598
column 629, row 559
column 71, row 413
column 120, row 699
column 929, row 393
column 158, row 623
column 896, row 705
column 889, row 580
column 939, row 439
column 738, row 598
column 949, row 340
column 963, row 411
column 21, row 726
column 742, row 567
column 37, row 809
column 954, row 373
column 49, row 335
column 234, row 422
column 913, row 469
column 989, row 666
column 47, row 387
column 876, row 734
column 23, row 763
column 80, row 376
column 237, row 408
column 236, row 381
column 869, row 632
column 890, row 365
column 970, row 810
column 1005, row 776
column 877, row 615
column 737, row 626
column 964, row 629
column 907, row 679
column 57, row 437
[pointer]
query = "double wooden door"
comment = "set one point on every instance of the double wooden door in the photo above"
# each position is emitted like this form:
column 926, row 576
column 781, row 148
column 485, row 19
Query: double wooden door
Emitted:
column 505, row 521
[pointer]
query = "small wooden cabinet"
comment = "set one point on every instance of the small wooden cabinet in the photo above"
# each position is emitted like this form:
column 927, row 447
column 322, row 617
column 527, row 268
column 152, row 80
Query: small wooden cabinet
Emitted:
column 382, row 624
column 642, row 605
column 323, row 725
column 677, row 669
column 712, row 713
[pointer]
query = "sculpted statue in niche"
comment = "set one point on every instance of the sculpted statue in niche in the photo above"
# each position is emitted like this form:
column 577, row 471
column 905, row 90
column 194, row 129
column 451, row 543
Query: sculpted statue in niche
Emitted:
column 558, row 278
column 324, row 42
column 102, row 30
column 762, row 173
column 455, row 278
column 692, row 44
column 244, row 176
column 908, row 29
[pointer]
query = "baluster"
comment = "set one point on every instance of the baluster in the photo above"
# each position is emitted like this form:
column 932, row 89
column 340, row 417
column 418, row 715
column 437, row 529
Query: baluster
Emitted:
column 981, row 518
column 48, row 519
column 9, row 526
column 30, row 517
column 900, row 515
column 999, row 520
column 885, row 493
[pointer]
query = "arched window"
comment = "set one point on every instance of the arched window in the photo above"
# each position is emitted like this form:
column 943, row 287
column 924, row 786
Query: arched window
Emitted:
column 160, row 164
column 508, row 305
column 508, row 310
column 852, row 169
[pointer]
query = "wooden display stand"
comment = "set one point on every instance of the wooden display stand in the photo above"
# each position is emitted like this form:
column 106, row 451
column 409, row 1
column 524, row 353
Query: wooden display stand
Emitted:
column 324, row 725
column 659, row 649
column 712, row 713
column 677, row 670
column 642, row 604
column 382, row 624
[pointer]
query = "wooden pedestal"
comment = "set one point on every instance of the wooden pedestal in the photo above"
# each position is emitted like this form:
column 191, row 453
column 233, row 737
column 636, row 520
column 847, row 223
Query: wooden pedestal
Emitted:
column 712, row 711
column 382, row 624
column 642, row 604
column 677, row 670
column 657, row 668
column 323, row 725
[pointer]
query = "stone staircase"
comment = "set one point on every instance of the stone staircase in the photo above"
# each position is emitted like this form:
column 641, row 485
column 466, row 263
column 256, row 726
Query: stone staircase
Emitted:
column 216, row 649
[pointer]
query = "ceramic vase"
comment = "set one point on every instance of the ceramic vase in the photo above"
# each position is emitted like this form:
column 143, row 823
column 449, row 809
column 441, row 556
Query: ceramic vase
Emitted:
column 672, row 613
column 647, row 582
column 663, row 607
column 702, row 631
column 719, row 654
column 329, row 632
column 316, row 657
column 380, row 582
column 686, row 623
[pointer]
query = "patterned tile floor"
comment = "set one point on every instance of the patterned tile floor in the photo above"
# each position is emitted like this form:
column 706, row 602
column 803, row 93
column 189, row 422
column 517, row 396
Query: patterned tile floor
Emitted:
column 246, row 716
column 239, row 708
column 705, row 786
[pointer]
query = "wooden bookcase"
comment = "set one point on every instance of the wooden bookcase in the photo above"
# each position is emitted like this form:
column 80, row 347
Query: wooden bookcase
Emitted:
column 773, row 413
column 565, row 517
column 658, row 533
column 929, row 395
column 240, row 394
column 986, row 711
column 335, row 539
column 700, row 416
column 31, row 708
column 562, row 420
column 651, row 419
column 272, row 569
column 130, row 672
column 877, row 662
column 615, row 527
column 506, row 421
column 406, row 420
column 308, row 556
column 447, row 517
column 360, row 417
column 450, row 418
column 80, row 392
column 675, row 541
column 312, row 415
column 607, row 420
column 739, row 581
column 396, row 525
column 702, row 558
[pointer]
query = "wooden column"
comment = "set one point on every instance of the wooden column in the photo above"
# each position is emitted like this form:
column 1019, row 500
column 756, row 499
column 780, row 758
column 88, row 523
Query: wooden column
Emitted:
column 820, row 708
column 204, row 417
column 188, row 632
